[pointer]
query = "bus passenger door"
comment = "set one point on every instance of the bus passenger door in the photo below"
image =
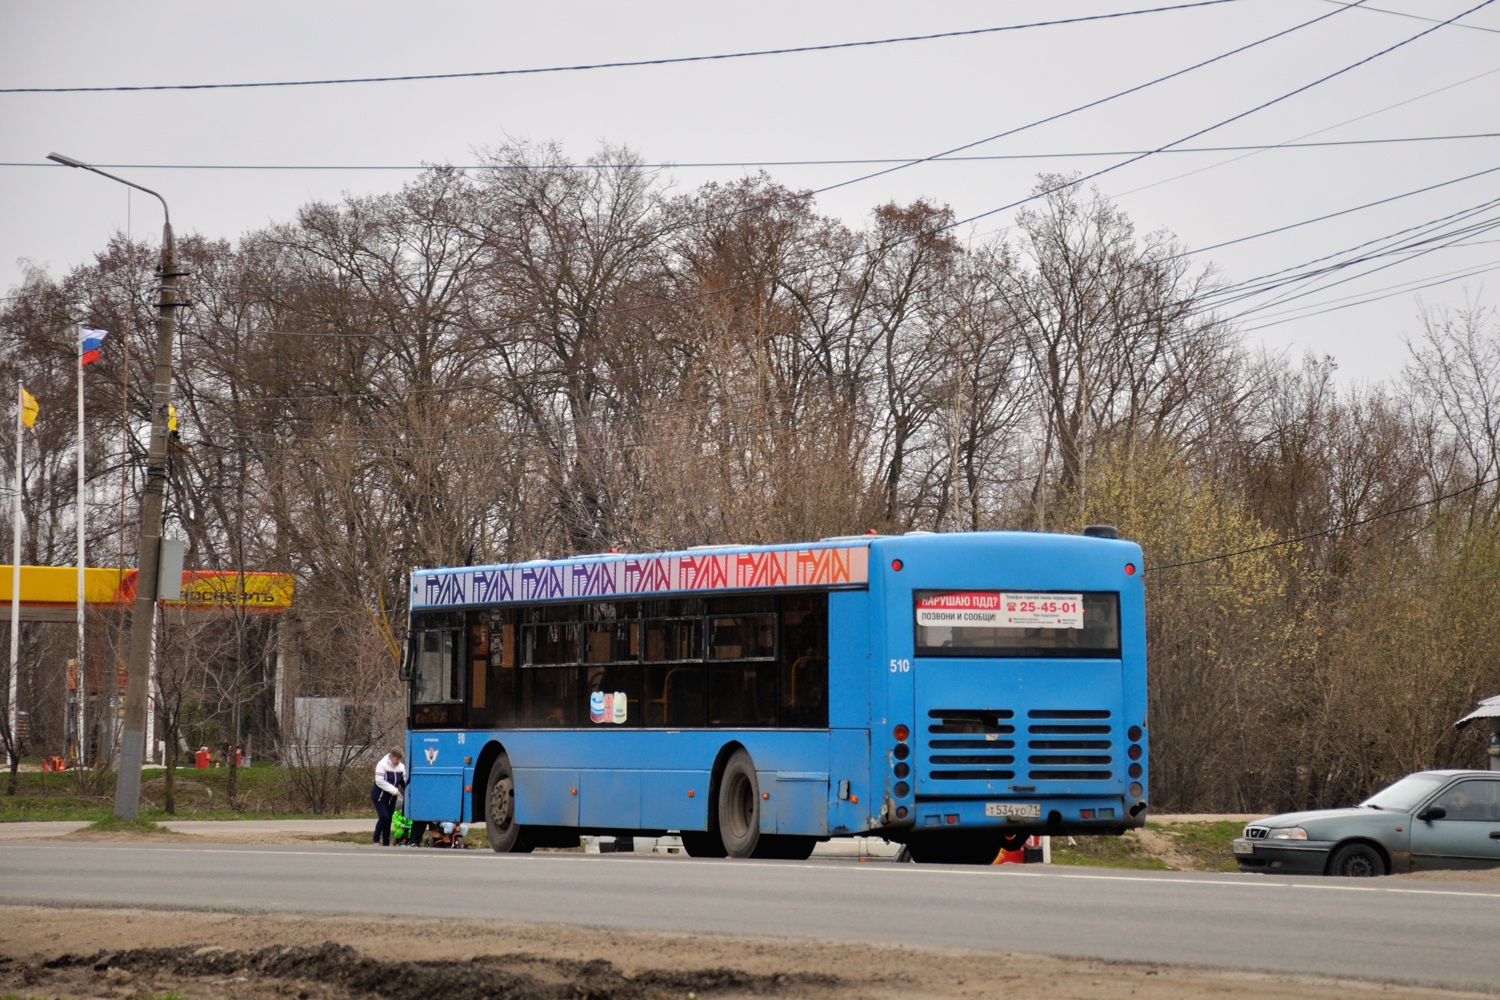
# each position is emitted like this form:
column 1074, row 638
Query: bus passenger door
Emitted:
column 435, row 788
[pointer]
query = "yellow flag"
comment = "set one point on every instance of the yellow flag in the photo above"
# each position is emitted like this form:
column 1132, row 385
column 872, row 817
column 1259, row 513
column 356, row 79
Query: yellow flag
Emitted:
column 29, row 408
column 171, row 418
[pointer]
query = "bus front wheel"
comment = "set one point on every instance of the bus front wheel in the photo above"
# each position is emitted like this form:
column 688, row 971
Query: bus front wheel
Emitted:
column 500, row 810
column 739, row 806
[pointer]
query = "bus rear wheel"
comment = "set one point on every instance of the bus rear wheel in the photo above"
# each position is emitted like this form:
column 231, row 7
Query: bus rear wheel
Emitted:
column 739, row 806
column 500, row 810
column 966, row 847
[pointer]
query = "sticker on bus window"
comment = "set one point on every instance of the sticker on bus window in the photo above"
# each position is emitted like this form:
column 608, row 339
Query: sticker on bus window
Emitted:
column 996, row 609
column 607, row 706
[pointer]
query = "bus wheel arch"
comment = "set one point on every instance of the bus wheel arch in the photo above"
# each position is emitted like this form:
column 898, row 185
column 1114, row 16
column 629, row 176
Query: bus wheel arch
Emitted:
column 479, row 795
column 711, row 843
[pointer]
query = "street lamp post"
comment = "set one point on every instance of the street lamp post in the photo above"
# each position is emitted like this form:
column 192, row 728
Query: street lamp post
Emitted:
column 142, row 619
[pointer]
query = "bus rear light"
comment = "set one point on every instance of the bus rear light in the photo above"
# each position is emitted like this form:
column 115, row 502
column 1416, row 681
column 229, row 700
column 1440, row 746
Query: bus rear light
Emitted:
column 1135, row 770
column 691, row 793
column 902, row 770
column 1085, row 814
column 765, row 795
column 896, row 565
column 902, row 751
column 1130, row 569
column 951, row 818
column 900, row 812
column 1134, row 751
column 902, row 732
column 902, row 789
column 468, row 788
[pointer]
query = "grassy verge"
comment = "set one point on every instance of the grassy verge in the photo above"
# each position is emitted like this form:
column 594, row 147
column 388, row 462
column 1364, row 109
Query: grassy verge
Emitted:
column 1206, row 843
column 261, row 792
column 113, row 824
column 1105, row 852
column 1193, row 847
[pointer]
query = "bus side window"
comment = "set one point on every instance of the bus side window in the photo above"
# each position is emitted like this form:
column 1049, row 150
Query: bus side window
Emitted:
column 675, row 695
column 502, row 670
column 803, row 660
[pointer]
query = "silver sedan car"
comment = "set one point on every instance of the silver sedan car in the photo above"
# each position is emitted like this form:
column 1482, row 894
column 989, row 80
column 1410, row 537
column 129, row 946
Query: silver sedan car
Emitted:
column 1427, row 820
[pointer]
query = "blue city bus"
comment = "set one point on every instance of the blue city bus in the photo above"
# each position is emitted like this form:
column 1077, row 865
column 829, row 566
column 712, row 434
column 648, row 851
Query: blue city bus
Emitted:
column 955, row 692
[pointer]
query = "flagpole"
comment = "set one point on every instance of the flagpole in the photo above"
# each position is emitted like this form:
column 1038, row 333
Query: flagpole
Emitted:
column 15, row 584
column 82, row 663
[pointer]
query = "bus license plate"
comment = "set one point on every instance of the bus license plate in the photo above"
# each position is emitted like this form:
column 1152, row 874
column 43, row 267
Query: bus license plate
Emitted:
column 1014, row 810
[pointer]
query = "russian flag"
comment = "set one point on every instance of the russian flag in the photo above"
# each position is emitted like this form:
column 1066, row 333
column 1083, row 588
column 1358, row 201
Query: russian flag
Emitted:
column 91, row 341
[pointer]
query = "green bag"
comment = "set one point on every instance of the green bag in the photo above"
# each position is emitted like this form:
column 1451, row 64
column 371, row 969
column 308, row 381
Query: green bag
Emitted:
column 400, row 826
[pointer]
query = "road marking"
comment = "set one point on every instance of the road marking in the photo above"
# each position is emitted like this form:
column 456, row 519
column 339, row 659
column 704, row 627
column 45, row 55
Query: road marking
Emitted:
column 1227, row 879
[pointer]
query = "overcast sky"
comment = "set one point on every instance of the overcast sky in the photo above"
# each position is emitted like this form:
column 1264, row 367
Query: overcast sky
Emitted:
column 1409, row 119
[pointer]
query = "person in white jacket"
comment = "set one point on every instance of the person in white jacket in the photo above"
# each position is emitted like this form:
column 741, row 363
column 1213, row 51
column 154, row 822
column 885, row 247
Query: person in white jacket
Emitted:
column 386, row 793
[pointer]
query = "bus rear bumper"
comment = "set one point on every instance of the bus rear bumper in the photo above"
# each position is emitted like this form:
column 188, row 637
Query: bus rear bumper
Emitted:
column 1073, row 816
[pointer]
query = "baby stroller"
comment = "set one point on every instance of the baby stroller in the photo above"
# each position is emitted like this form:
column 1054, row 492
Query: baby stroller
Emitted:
column 447, row 834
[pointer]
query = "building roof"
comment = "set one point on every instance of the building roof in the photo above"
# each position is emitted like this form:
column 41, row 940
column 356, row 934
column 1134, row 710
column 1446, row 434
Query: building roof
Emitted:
column 1489, row 708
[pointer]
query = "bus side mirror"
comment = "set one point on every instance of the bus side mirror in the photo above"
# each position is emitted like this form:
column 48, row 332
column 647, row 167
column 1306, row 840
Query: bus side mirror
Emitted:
column 404, row 670
column 1431, row 813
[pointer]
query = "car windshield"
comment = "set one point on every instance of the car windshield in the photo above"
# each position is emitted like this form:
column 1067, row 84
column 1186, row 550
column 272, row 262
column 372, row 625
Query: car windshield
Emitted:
column 1404, row 795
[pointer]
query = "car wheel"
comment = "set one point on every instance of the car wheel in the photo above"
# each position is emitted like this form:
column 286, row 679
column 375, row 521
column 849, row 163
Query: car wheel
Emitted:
column 1356, row 861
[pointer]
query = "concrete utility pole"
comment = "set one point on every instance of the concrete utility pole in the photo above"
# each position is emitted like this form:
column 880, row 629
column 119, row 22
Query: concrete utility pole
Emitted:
column 143, row 615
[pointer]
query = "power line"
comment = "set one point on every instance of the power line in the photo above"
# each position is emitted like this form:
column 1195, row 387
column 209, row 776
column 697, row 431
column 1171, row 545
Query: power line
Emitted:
column 1415, row 17
column 1326, row 531
column 1092, row 104
column 1415, row 285
column 1346, row 211
column 739, row 164
column 1220, row 124
column 623, row 64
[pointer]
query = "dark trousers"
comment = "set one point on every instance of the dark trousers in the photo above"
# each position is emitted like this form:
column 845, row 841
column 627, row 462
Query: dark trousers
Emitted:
column 385, row 808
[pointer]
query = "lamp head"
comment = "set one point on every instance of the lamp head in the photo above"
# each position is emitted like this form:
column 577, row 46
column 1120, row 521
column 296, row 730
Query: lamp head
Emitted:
column 66, row 161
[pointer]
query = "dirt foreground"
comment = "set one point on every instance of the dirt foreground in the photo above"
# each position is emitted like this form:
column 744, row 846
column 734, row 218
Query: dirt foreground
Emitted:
column 137, row 953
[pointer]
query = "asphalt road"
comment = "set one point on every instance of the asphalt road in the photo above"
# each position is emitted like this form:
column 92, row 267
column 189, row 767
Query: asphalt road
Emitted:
column 1439, row 934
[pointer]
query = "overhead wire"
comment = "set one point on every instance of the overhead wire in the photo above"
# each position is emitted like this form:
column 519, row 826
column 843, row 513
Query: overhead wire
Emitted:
column 1266, row 104
column 620, row 64
column 1346, row 526
column 742, row 164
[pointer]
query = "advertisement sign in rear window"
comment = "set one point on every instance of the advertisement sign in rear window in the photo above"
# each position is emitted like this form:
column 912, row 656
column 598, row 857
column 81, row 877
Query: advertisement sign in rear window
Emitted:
column 1017, row 623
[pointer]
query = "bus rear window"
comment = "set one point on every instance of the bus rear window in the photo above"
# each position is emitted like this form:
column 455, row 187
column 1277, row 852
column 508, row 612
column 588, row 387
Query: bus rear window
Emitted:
column 997, row 623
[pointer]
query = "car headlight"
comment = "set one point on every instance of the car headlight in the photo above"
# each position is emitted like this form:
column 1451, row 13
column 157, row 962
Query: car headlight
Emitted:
column 1289, row 833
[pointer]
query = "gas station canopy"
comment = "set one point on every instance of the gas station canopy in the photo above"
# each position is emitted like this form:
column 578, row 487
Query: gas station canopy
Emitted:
column 50, row 593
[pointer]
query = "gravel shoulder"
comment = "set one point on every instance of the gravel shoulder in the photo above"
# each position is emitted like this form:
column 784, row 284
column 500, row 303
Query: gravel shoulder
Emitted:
column 129, row 953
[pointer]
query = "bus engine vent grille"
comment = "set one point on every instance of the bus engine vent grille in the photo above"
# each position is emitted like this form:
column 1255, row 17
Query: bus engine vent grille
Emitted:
column 981, row 732
column 1069, row 745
